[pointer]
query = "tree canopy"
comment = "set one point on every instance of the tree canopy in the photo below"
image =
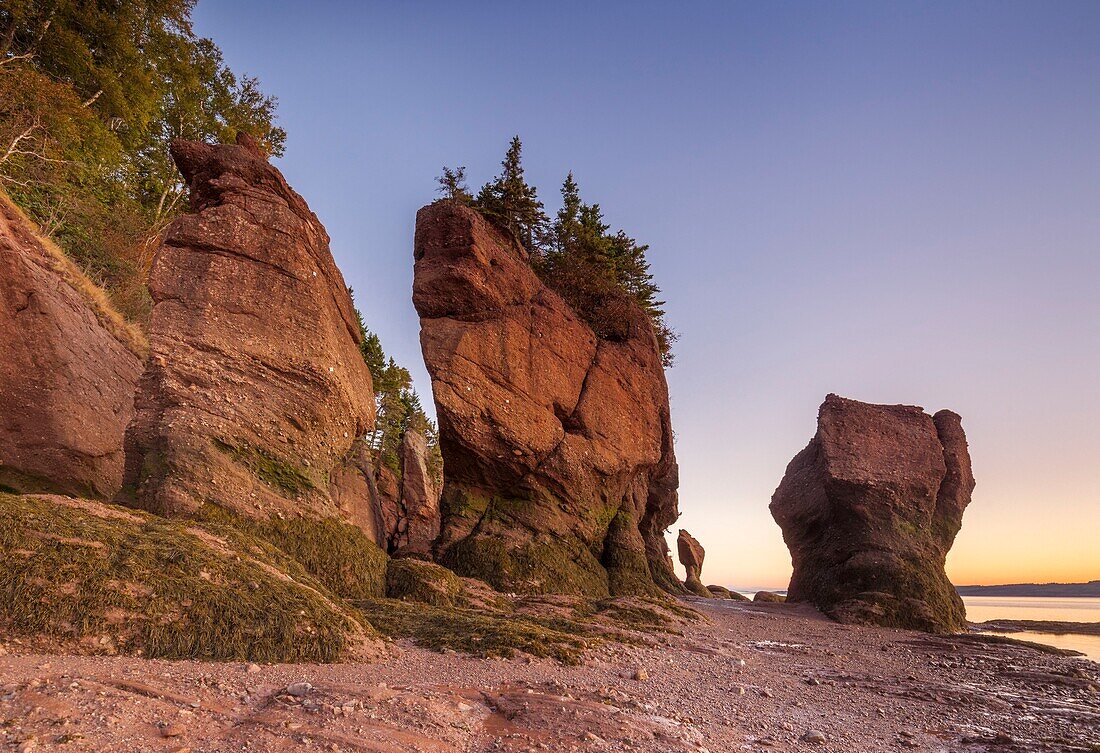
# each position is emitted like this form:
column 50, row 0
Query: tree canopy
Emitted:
column 91, row 93
column 599, row 273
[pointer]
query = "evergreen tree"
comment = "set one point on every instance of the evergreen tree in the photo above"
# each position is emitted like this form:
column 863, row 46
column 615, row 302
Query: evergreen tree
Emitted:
column 452, row 184
column 397, row 406
column 511, row 203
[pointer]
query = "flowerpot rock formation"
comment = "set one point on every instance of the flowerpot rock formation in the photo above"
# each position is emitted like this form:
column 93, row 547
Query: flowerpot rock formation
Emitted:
column 255, row 394
column 869, row 510
column 559, row 471
column 691, row 557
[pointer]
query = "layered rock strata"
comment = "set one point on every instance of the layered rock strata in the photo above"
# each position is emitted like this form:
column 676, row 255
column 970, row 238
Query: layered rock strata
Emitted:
column 68, row 367
column 255, row 395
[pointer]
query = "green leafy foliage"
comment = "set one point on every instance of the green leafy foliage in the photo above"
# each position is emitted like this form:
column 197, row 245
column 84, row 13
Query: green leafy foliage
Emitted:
column 90, row 96
column 603, row 276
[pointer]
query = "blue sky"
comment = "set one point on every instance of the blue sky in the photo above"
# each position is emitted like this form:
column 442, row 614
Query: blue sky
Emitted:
column 897, row 202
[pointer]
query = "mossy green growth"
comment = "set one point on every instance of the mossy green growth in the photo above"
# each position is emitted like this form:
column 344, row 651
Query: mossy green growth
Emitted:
column 559, row 565
column 542, row 626
column 625, row 561
column 643, row 615
column 73, row 570
column 425, row 582
column 488, row 634
column 336, row 553
column 272, row 471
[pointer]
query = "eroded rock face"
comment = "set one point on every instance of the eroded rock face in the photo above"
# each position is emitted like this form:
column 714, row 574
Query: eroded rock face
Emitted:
column 410, row 503
column 691, row 557
column 66, row 379
column 419, row 495
column 869, row 511
column 557, row 447
column 255, row 393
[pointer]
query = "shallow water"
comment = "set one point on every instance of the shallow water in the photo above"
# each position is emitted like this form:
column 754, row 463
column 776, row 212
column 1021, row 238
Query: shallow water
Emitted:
column 984, row 608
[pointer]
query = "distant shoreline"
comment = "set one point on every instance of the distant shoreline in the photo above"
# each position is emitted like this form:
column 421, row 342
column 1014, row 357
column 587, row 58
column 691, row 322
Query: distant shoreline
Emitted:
column 1063, row 590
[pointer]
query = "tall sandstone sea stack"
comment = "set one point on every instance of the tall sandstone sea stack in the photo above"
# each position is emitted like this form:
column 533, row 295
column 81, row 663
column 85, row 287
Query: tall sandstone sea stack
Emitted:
column 691, row 554
column 559, row 472
column 68, row 367
column 255, row 394
column 869, row 511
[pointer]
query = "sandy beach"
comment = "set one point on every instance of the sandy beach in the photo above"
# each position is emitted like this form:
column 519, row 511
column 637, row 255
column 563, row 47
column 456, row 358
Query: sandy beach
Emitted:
column 747, row 677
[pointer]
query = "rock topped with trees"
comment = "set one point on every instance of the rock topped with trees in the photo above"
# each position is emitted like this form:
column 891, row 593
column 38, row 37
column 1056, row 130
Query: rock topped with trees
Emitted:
column 68, row 367
column 91, row 94
column 869, row 511
column 560, row 474
column 256, row 394
column 603, row 276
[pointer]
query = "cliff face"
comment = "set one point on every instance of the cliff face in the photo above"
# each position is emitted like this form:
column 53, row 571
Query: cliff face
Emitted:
column 557, row 446
column 67, row 374
column 255, row 392
column 869, row 511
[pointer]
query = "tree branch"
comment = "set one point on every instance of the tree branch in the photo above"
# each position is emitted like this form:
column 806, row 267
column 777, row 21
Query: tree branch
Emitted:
column 13, row 58
column 13, row 148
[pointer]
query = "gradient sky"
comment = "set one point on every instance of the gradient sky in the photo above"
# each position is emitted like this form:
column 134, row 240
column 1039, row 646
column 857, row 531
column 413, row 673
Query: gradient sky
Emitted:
column 897, row 202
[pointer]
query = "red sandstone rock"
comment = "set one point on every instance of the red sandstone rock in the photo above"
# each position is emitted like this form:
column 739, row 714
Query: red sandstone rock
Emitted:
column 255, row 393
column 691, row 557
column 419, row 495
column 410, row 503
column 869, row 511
column 67, row 374
column 557, row 447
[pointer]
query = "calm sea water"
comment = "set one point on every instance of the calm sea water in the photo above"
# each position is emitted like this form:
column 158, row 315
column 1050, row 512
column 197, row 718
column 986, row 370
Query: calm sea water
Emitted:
column 984, row 608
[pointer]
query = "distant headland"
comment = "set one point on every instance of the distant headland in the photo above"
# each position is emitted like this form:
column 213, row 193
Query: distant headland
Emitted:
column 1065, row 590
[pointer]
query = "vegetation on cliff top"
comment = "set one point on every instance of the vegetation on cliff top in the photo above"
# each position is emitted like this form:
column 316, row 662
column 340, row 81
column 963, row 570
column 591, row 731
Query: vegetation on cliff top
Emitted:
column 90, row 96
column 599, row 273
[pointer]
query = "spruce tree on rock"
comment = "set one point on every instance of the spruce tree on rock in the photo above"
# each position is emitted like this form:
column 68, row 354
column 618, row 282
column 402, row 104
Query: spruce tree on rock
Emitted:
column 452, row 184
column 510, row 202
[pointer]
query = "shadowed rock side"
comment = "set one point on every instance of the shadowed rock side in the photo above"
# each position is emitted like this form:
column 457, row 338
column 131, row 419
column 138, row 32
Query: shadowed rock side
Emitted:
column 255, row 393
column 869, row 511
column 66, row 379
column 691, row 557
column 557, row 447
column 410, row 506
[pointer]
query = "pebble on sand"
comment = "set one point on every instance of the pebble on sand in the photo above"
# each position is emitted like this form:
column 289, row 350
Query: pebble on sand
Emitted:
column 814, row 737
column 299, row 689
